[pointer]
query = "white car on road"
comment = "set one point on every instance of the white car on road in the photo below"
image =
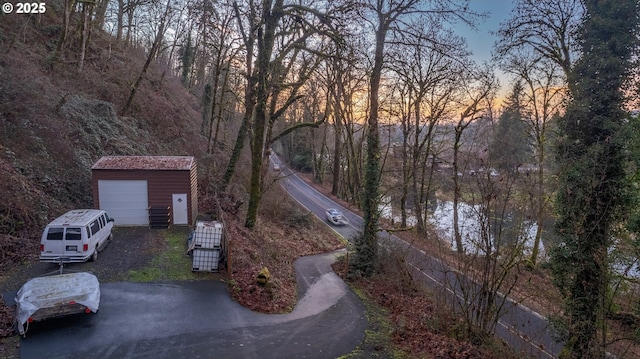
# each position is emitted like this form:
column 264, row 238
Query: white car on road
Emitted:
column 336, row 217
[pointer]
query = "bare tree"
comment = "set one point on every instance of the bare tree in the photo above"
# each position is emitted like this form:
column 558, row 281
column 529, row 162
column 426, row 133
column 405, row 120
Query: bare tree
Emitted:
column 548, row 27
column 162, row 27
column 69, row 5
column 387, row 17
column 479, row 91
column 314, row 112
column 87, row 11
column 335, row 87
column 249, row 34
column 488, row 271
column 347, row 85
column 385, row 14
column 544, row 95
column 224, row 51
column 429, row 63
column 100, row 14
column 130, row 9
column 276, row 34
column 539, row 35
column 120, row 19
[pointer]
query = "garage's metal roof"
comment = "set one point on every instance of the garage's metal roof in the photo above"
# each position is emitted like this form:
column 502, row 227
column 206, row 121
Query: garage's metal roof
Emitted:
column 176, row 163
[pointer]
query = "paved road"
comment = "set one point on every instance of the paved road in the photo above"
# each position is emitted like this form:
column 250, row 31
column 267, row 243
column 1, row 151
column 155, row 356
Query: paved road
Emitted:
column 199, row 320
column 316, row 202
column 519, row 326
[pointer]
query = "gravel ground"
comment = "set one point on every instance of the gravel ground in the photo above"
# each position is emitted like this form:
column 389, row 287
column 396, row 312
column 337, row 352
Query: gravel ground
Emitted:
column 131, row 248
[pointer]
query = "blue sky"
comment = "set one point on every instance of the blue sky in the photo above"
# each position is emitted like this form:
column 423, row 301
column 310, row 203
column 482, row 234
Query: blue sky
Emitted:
column 480, row 41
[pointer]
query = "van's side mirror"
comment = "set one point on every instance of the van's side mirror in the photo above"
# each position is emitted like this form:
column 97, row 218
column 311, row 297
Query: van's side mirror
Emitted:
column 111, row 220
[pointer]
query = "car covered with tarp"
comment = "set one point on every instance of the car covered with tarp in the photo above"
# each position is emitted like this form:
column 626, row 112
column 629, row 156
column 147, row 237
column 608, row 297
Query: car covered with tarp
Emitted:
column 54, row 296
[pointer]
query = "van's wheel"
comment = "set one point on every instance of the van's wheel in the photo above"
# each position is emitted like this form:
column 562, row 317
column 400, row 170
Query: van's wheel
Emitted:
column 94, row 256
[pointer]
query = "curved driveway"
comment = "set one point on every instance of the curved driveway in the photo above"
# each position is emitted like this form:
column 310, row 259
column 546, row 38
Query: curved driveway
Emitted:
column 199, row 320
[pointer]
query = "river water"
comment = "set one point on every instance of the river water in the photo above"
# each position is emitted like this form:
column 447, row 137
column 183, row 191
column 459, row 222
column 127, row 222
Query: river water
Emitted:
column 471, row 229
column 473, row 224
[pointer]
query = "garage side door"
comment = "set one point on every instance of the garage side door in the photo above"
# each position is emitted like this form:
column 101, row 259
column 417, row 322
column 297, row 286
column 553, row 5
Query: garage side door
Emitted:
column 125, row 200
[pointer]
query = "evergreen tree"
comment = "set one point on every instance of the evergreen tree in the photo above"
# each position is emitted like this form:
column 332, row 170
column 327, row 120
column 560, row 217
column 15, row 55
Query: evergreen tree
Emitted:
column 591, row 198
column 510, row 146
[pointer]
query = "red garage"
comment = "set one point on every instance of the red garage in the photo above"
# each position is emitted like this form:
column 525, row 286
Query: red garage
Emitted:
column 146, row 190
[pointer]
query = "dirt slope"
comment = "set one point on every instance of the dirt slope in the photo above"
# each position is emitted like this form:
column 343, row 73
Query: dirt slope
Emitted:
column 55, row 121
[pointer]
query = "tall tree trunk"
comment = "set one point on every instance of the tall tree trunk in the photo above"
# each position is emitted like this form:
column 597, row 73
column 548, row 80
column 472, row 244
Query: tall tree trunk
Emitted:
column 337, row 143
column 86, row 27
column 249, row 103
column 318, row 158
column 368, row 246
column 405, row 168
column 130, row 13
column 152, row 54
column 422, row 151
column 101, row 12
column 338, row 105
column 120, row 20
column 456, row 190
column 66, row 28
column 266, row 40
column 206, row 108
column 215, row 88
column 236, row 151
column 221, row 107
column 540, row 213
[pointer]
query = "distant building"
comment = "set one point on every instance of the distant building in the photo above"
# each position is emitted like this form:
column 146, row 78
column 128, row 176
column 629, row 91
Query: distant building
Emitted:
column 146, row 190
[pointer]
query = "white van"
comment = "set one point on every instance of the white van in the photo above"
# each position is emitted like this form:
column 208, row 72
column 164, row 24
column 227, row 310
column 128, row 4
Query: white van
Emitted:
column 76, row 236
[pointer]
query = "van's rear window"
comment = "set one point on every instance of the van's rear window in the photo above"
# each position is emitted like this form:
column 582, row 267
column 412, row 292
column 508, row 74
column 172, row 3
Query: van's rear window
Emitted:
column 73, row 234
column 55, row 234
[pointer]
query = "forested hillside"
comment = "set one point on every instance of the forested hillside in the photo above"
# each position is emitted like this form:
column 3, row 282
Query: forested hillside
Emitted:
column 382, row 102
column 56, row 119
column 63, row 107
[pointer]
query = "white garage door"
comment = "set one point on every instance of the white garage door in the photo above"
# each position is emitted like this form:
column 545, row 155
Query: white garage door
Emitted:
column 125, row 201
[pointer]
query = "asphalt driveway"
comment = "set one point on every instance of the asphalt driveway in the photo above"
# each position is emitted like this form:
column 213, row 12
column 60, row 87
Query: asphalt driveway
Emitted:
column 199, row 319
